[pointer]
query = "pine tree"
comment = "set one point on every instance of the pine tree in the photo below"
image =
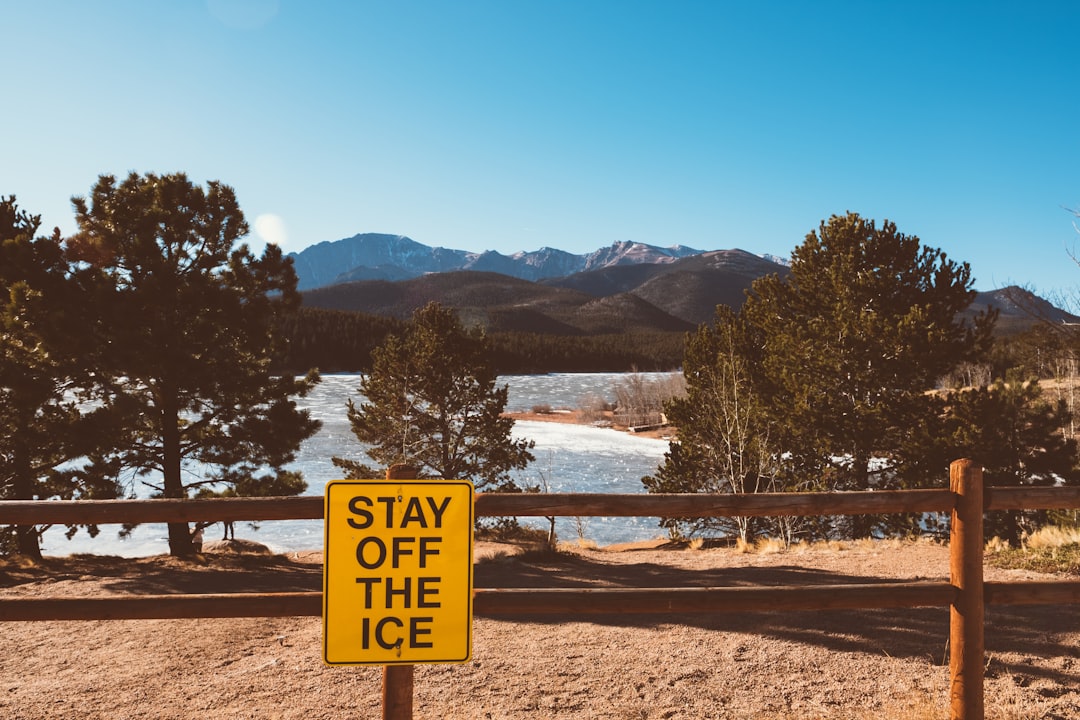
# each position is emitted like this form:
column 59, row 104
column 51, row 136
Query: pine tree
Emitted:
column 1017, row 436
column 821, row 380
column 854, row 337
column 47, row 437
column 431, row 402
column 191, row 320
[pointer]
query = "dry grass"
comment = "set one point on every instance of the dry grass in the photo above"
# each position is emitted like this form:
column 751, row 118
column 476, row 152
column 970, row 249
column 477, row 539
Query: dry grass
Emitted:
column 582, row 543
column 772, row 546
column 762, row 546
column 827, row 546
column 995, row 545
column 1049, row 550
column 1053, row 536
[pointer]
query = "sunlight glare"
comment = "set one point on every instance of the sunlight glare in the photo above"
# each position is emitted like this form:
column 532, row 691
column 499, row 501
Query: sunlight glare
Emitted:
column 271, row 229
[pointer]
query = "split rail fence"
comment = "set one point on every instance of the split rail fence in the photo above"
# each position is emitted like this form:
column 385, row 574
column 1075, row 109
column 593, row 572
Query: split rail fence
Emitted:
column 965, row 593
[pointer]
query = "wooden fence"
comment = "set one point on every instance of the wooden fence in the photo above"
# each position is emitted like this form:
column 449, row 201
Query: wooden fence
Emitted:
column 966, row 594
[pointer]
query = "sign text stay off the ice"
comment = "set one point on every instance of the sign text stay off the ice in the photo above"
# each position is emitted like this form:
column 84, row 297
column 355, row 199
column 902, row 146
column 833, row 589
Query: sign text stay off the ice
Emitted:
column 397, row 575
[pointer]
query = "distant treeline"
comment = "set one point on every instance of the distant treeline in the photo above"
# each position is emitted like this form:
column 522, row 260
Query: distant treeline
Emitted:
column 342, row 341
column 333, row 340
column 521, row 352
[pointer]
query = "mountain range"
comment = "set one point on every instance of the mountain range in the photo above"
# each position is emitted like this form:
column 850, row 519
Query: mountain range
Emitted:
column 627, row 287
column 376, row 256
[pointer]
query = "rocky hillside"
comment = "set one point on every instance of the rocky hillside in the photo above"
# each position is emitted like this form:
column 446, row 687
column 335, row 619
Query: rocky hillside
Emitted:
column 672, row 296
column 374, row 256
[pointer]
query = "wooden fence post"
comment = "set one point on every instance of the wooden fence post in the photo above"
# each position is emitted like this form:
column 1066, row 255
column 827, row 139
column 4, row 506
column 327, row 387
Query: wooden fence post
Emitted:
column 966, row 614
column 397, row 692
column 397, row 689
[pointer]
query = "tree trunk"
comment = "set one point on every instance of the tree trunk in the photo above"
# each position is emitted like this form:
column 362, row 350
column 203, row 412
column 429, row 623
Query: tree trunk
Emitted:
column 179, row 533
column 28, row 541
column 861, row 525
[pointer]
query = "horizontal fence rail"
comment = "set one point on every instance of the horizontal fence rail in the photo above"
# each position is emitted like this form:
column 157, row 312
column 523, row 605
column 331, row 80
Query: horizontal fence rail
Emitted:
column 501, row 601
column 710, row 600
column 673, row 505
column 163, row 607
column 105, row 512
column 1031, row 498
column 691, row 505
column 554, row 601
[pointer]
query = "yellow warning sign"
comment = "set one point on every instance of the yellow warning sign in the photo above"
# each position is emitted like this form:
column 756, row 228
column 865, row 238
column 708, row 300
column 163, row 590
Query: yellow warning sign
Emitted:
column 397, row 572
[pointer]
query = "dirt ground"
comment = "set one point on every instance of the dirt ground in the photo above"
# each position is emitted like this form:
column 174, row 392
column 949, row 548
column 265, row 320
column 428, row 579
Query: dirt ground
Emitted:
column 844, row 664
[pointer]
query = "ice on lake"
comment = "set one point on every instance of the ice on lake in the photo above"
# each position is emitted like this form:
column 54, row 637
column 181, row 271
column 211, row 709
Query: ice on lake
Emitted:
column 569, row 458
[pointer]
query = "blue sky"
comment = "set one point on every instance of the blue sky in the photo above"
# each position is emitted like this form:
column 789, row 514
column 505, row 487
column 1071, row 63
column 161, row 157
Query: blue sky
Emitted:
column 515, row 124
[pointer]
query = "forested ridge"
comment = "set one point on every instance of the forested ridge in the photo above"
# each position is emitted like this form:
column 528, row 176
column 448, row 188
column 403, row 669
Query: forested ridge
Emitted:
column 342, row 341
column 526, row 341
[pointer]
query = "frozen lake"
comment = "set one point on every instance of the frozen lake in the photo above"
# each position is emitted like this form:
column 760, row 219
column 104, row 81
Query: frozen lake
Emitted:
column 569, row 458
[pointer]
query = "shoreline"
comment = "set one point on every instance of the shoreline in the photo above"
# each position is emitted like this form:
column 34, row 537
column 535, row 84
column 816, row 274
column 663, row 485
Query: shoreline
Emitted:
column 572, row 417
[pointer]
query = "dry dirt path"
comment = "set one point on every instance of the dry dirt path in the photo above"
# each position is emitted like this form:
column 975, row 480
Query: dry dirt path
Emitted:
column 850, row 664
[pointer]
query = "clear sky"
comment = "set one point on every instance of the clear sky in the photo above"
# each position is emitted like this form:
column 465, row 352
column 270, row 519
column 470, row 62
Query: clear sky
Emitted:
column 516, row 124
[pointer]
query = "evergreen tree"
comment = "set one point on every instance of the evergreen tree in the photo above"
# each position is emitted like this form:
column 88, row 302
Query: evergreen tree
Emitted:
column 431, row 402
column 190, row 319
column 47, row 439
column 821, row 380
column 854, row 337
column 1017, row 436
